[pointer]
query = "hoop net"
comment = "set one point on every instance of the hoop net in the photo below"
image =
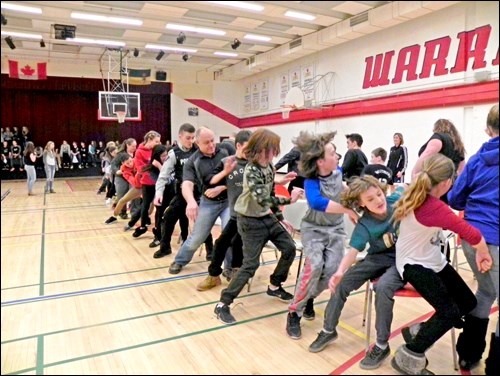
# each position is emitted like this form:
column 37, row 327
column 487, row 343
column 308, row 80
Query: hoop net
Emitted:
column 285, row 110
column 121, row 116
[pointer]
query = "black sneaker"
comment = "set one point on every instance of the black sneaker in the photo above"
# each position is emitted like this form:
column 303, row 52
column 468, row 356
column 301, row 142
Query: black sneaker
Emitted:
column 323, row 340
column 175, row 268
column 223, row 314
column 139, row 231
column 162, row 253
column 293, row 325
column 155, row 243
column 280, row 294
column 110, row 220
column 309, row 313
column 374, row 357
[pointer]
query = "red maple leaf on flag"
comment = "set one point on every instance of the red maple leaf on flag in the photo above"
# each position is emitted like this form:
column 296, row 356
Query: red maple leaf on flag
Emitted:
column 27, row 70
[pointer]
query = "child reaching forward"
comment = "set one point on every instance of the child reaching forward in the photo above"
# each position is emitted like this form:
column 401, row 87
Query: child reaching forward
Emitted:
column 322, row 228
column 257, row 224
column 420, row 261
column 375, row 229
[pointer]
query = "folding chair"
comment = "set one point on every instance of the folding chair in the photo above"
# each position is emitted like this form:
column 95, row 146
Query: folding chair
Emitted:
column 408, row 291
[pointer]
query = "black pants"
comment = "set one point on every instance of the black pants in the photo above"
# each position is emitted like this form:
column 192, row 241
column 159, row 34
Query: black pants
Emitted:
column 176, row 211
column 447, row 293
column 229, row 237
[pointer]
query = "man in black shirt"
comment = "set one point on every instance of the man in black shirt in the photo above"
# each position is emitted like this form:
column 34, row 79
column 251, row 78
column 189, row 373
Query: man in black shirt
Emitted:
column 355, row 160
column 198, row 171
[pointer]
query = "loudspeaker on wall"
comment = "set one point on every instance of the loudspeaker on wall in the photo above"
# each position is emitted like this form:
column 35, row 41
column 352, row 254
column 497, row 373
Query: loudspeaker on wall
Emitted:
column 161, row 76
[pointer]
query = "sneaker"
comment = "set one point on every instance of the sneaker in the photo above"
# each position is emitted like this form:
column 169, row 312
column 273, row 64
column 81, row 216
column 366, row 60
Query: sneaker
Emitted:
column 123, row 215
column 139, row 231
column 227, row 273
column 108, row 201
column 127, row 227
column 293, row 325
column 408, row 362
column 175, row 268
column 223, row 314
column 110, row 220
column 208, row 283
column 155, row 243
column 280, row 293
column 309, row 313
column 162, row 253
column 374, row 357
column 52, row 191
column 323, row 340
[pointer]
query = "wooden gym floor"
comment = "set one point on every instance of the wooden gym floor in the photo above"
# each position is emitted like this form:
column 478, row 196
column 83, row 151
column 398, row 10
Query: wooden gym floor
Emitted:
column 82, row 297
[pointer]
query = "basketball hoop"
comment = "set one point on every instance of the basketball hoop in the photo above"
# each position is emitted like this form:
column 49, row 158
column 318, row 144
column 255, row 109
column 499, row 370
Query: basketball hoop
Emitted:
column 121, row 116
column 285, row 110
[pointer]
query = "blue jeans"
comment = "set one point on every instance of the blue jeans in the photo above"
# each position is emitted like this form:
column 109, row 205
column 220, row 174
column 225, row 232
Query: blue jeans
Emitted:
column 31, row 175
column 487, row 283
column 208, row 212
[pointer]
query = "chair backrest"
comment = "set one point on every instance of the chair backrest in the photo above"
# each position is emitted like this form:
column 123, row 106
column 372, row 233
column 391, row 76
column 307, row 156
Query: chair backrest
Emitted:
column 280, row 190
column 294, row 213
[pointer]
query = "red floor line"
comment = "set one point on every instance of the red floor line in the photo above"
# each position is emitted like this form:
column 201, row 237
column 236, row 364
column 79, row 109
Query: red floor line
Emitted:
column 69, row 185
column 356, row 358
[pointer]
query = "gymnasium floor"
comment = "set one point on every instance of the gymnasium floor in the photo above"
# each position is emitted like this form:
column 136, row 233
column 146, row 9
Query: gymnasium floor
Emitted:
column 82, row 297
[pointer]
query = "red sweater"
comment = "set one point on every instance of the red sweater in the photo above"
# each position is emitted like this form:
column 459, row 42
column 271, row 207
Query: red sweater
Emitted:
column 142, row 158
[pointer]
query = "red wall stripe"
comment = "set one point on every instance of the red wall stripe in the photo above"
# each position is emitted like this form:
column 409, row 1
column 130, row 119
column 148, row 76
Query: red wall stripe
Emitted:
column 461, row 95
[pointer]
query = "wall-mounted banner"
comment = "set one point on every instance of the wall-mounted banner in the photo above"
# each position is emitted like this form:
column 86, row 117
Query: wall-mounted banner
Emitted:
column 264, row 95
column 295, row 77
column 247, row 99
column 283, row 87
column 255, row 97
column 308, row 82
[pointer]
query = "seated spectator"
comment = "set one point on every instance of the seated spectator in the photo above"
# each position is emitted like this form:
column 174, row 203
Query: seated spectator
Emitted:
column 377, row 167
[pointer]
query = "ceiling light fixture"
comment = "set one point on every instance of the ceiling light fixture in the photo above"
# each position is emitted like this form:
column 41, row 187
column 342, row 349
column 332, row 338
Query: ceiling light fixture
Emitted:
column 42, row 43
column 22, row 35
column 299, row 15
column 166, row 48
column 228, row 54
column 260, row 38
column 21, row 8
column 181, row 38
column 236, row 43
column 10, row 43
column 160, row 55
column 240, row 5
column 185, row 56
column 136, row 52
column 101, row 42
column 101, row 18
column 200, row 30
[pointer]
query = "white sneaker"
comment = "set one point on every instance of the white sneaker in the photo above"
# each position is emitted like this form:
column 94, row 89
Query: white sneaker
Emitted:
column 108, row 202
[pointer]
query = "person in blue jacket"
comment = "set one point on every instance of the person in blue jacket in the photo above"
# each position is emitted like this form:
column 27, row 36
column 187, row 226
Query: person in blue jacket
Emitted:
column 476, row 191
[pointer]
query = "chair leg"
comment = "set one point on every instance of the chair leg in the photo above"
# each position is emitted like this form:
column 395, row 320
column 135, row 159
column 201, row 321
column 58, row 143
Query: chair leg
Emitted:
column 369, row 315
column 367, row 290
column 299, row 268
column 453, row 349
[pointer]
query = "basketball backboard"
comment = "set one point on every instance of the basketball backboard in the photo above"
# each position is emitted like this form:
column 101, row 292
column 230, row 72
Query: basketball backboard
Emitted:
column 294, row 100
column 111, row 102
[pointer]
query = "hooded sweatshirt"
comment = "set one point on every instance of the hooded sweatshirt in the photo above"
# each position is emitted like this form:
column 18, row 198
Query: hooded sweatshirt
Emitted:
column 141, row 159
column 476, row 191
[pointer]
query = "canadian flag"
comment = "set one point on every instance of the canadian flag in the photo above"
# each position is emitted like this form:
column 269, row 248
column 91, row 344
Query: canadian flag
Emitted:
column 27, row 71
